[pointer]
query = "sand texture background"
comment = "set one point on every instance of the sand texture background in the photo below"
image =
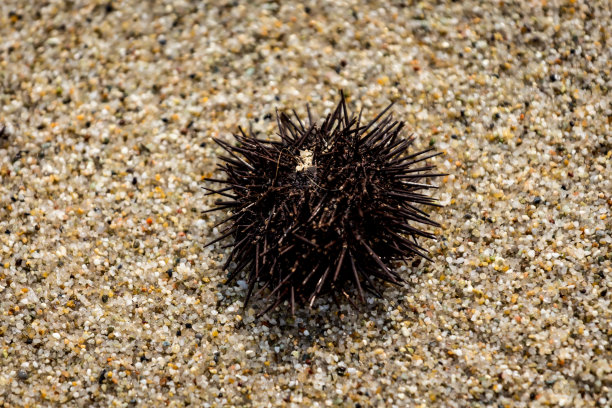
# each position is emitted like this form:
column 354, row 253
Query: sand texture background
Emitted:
column 108, row 298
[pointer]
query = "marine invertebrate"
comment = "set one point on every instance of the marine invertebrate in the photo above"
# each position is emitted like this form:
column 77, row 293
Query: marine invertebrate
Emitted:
column 325, row 207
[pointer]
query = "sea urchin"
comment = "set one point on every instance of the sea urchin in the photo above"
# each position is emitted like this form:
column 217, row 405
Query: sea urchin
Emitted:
column 324, row 207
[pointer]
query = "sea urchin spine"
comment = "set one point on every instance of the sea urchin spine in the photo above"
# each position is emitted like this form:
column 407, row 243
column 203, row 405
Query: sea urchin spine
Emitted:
column 323, row 206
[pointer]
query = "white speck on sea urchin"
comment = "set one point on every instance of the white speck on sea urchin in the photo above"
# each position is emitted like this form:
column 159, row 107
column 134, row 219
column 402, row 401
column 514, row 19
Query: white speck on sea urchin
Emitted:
column 305, row 160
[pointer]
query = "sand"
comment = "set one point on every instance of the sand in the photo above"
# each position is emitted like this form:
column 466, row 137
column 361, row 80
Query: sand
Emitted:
column 109, row 298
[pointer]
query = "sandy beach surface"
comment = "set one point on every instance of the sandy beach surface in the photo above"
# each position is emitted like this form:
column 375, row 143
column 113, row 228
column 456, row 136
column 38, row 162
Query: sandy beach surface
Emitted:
column 109, row 298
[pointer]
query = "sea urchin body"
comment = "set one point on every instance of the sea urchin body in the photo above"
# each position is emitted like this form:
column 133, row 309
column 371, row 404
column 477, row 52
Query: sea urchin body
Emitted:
column 324, row 208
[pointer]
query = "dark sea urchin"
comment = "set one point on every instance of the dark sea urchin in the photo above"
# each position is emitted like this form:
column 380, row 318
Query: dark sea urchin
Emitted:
column 324, row 208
